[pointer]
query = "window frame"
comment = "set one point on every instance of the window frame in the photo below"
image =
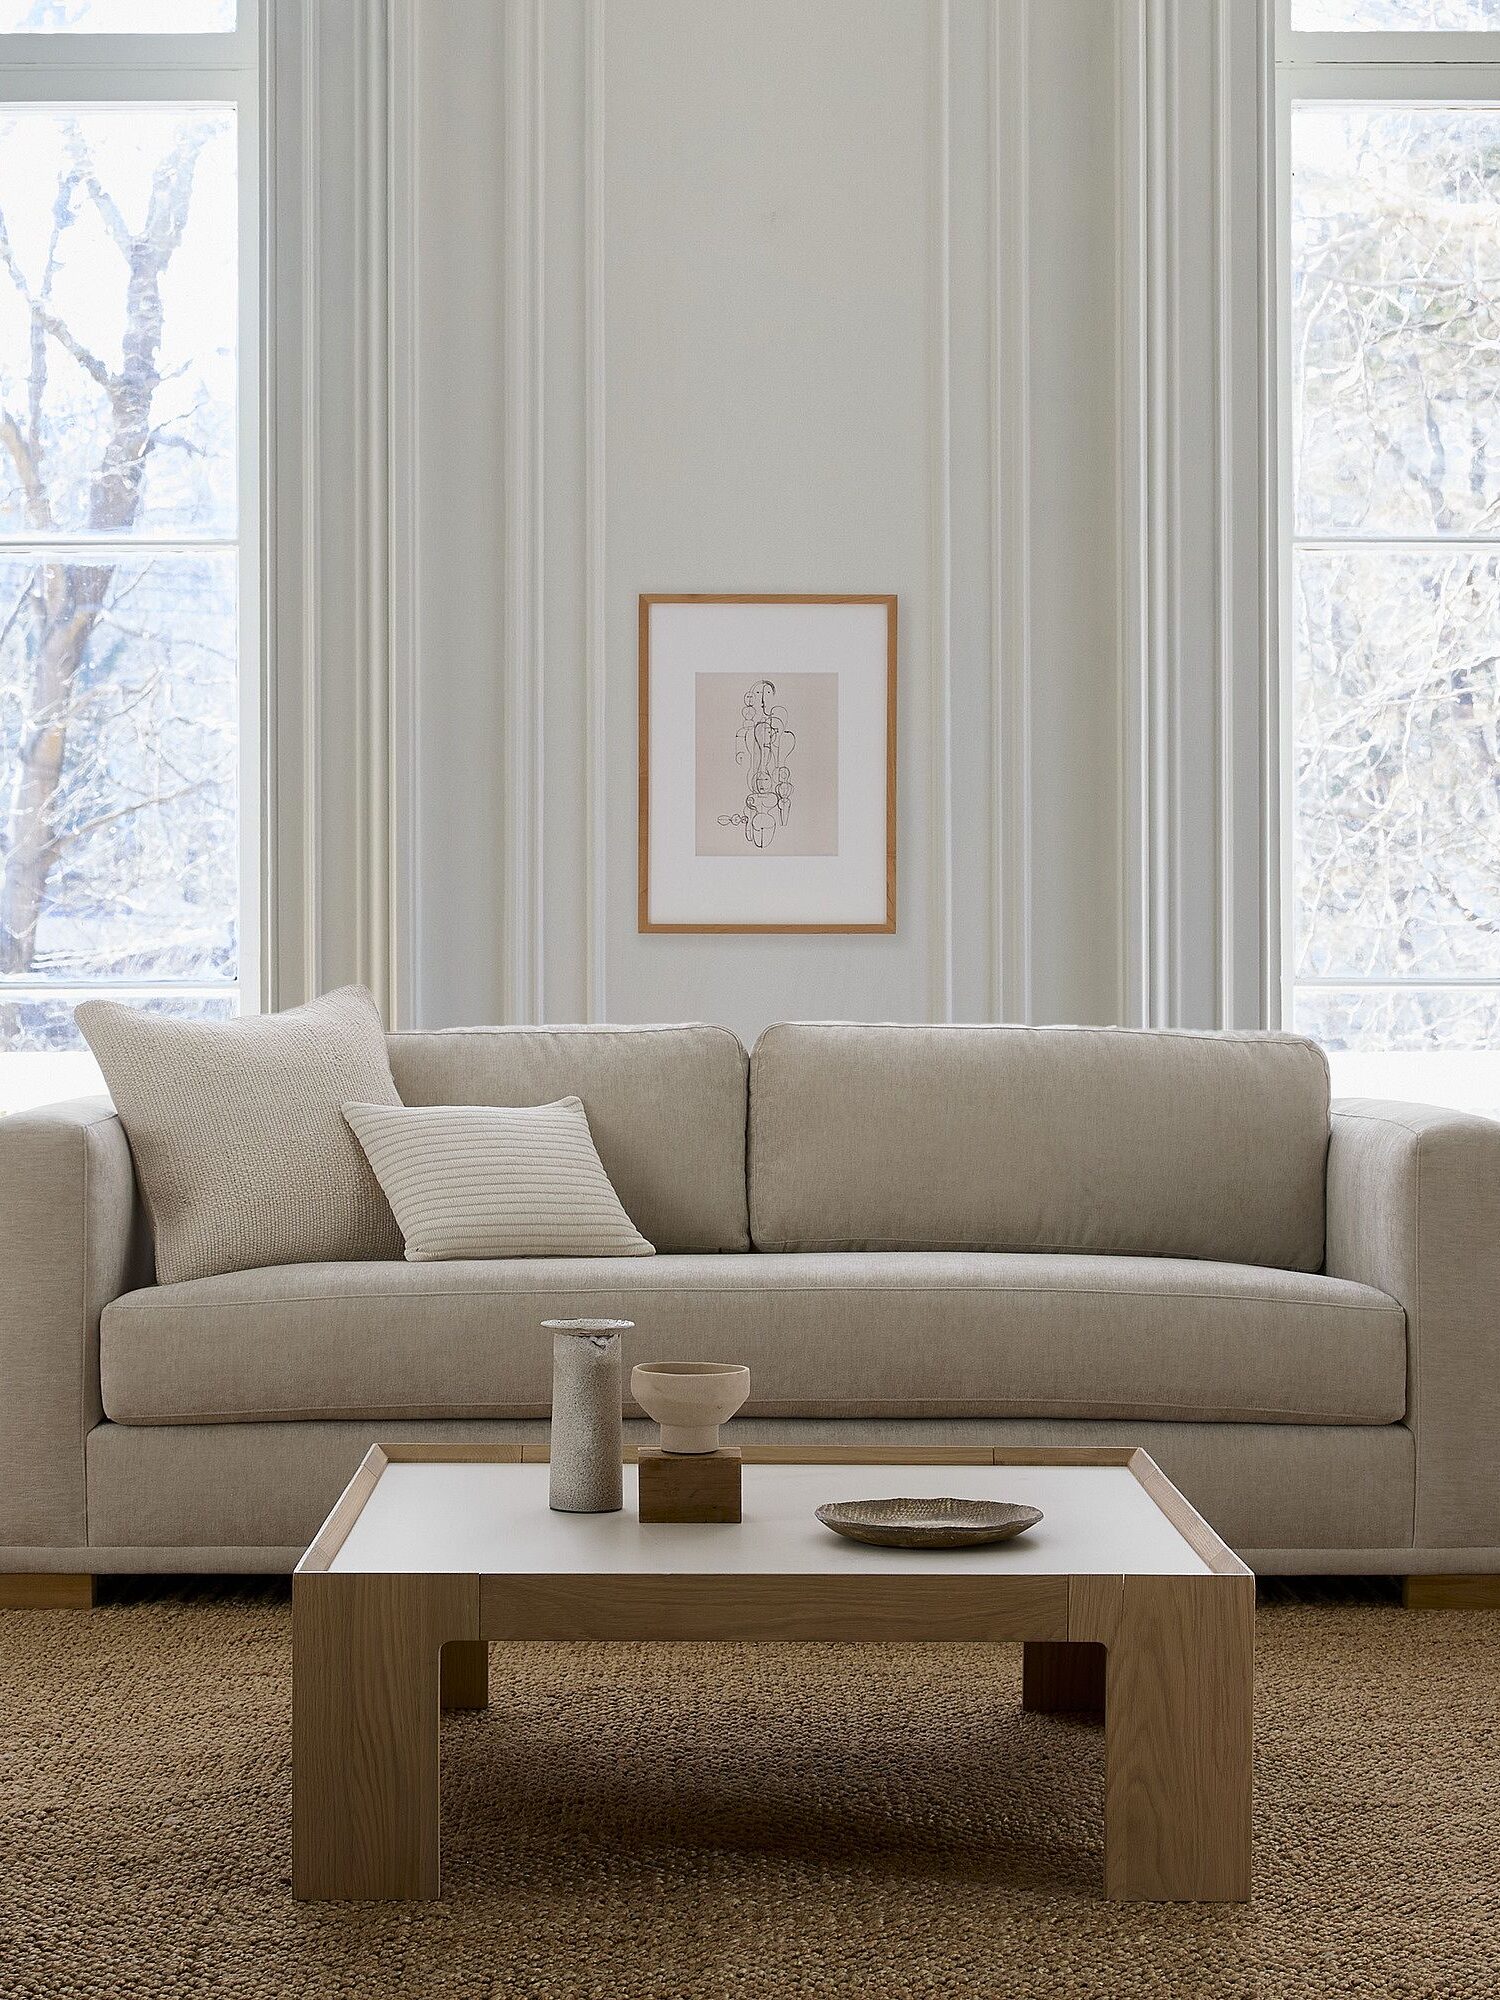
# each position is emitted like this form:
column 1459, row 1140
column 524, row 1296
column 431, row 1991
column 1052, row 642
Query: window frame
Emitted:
column 1382, row 47
column 1370, row 68
column 236, row 48
column 215, row 68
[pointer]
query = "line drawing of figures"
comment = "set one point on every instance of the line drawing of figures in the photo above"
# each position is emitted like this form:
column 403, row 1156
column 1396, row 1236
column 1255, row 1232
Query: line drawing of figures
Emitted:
column 763, row 744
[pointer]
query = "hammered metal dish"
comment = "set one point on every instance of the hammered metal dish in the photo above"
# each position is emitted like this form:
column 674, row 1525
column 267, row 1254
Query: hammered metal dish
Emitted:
column 928, row 1524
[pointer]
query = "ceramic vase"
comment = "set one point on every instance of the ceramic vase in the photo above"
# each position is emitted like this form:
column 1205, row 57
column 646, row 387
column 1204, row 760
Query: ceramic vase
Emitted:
column 588, row 1433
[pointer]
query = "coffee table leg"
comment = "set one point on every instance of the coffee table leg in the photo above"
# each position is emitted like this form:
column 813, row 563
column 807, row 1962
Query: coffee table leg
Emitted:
column 365, row 1690
column 1058, row 1678
column 465, row 1674
column 1178, row 1729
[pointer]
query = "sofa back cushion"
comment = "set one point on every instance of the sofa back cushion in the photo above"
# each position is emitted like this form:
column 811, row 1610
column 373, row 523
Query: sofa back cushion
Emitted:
column 1000, row 1138
column 666, row 1107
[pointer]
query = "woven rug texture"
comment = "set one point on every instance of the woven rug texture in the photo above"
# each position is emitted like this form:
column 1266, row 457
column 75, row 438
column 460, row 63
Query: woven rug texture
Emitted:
column 737, row 1822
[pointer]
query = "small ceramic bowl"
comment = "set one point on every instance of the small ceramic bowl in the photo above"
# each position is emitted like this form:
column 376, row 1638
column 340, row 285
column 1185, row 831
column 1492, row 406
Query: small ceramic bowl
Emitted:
column 690, row 1399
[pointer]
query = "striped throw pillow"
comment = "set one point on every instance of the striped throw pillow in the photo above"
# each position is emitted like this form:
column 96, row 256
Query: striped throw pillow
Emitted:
column 482, row 1180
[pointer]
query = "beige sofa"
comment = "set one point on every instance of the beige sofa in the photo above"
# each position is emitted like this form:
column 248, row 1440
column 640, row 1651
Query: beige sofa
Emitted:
column 913, row 1234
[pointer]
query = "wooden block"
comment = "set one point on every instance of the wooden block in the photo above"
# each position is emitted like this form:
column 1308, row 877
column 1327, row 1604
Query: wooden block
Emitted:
column 43, row 1590
column 1451, row 1593
column 676, row 1487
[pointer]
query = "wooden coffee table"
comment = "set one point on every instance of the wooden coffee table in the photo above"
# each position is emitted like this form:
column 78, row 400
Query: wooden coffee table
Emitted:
column 1125, row 1600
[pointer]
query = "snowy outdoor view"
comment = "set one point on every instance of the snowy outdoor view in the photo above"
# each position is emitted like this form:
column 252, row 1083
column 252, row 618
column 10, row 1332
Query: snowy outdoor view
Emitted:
column 1409, row 16
column 1395, row 338
column 116, row 17
column 118, row 521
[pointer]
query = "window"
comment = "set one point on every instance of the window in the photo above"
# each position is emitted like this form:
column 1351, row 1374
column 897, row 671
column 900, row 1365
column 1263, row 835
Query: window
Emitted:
column 127, row 520
column 1391, row 542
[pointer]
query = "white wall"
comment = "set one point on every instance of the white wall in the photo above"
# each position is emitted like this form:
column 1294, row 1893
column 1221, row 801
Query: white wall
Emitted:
column 771, row 327
column 699, row 295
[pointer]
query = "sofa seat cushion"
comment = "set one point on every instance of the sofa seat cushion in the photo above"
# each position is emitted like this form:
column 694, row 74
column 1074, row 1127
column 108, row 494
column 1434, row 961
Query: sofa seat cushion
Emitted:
column 874, row 1334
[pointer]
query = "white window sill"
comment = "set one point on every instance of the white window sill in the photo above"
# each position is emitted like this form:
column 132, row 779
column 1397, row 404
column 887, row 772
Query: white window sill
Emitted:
column 1464, row 1079
column 47, row 1078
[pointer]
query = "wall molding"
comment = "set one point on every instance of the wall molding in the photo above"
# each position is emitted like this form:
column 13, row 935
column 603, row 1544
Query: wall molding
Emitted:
column 1010, row 993
column 1142, row 510
column 404, row 457
column 371, row 354
column 370, row 712
column 311, row 497
column 1191, row 661
column 523, row 479
column 329, row 905
column 595, row 501
column 940, row 527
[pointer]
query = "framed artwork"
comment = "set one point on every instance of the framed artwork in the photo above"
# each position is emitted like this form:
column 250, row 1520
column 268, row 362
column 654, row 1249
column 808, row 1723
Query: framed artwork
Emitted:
column 767, row 763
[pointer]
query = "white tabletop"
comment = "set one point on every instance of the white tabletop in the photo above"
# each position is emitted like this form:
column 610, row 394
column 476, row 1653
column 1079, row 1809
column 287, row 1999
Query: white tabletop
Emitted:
column 462, row 1518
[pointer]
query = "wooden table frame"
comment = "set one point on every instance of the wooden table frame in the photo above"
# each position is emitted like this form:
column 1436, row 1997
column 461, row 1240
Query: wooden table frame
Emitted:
column 1167, row 1659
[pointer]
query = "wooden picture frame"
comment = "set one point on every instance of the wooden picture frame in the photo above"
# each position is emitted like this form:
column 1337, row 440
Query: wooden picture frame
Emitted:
column 870, row 864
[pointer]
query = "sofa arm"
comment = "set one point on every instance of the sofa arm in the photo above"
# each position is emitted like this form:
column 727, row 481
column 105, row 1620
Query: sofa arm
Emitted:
column 1414, row 1208
column 72, row 1237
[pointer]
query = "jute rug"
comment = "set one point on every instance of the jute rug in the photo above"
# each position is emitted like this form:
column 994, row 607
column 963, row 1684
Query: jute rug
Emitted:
column 785, row 1821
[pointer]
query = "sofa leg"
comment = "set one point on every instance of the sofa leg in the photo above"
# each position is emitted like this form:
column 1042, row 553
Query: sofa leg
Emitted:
column 1451, row 1593
column 43, row 1591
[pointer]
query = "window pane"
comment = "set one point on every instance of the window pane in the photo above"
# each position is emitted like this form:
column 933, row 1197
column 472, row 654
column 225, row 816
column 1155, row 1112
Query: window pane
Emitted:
column 1396, row 835
column 118, row 741
column 118, row 319
column 1415, row 1017
column 1396, row 319
column 1408, row 16
column 116, row 17
column 34, row 1024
